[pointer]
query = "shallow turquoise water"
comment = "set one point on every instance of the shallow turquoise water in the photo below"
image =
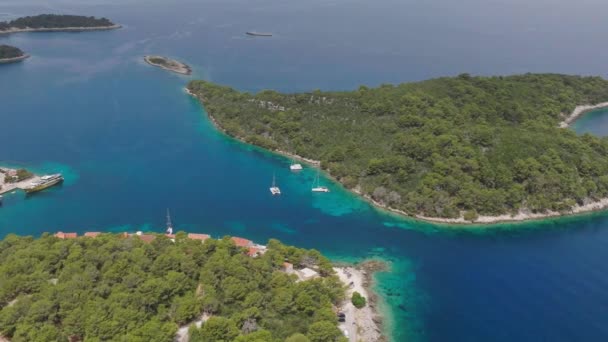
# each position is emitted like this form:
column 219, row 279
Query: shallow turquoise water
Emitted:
column 131, row 144
column 595, row 122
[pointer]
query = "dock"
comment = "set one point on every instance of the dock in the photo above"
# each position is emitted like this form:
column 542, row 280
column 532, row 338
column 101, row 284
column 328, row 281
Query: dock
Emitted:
column 10, row 187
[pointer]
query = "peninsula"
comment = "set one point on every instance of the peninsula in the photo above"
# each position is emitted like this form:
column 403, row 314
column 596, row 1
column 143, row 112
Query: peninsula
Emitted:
column 168, row 64
column 11, row 54
column 455, row 149
column 55, row 22
column 182, row 287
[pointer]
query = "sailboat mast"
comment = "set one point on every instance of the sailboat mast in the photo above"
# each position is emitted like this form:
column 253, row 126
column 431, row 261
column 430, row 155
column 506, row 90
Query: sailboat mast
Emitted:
column 169, row 225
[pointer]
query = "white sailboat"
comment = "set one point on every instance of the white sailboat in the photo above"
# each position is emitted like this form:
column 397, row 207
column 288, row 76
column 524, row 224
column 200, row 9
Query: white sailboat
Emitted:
column 274, row 189
column 316, row 187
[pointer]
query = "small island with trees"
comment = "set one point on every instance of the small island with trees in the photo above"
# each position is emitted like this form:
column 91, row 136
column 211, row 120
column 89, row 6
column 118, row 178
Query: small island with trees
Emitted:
column 168, row 64
column 453, row 149
column 11, row 54
column 56, row 22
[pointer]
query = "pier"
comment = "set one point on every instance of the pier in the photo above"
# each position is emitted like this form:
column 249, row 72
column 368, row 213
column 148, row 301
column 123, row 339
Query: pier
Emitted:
column 6, row 187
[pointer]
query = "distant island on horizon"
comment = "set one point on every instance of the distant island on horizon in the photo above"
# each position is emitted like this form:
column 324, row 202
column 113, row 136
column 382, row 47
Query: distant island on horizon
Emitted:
column 449, row 150
column 56, row 22
column 47, row 23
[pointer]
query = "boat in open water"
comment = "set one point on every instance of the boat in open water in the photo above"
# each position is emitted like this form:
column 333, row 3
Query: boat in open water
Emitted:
column 274, row 189
column 44, row 182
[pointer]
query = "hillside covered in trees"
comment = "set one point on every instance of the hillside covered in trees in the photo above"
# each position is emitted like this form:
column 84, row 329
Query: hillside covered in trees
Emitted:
column 7, row 51
column 447, row 147
column 54, row 21
column 114, row 288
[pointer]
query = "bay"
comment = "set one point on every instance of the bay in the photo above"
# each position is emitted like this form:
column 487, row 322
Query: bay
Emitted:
column 131, row 143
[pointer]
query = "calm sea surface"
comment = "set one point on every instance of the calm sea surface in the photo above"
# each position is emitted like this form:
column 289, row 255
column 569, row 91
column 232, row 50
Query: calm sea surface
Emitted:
column 131, row 143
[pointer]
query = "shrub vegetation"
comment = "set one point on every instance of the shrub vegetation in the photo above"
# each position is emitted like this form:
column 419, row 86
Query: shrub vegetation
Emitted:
column 438, row 148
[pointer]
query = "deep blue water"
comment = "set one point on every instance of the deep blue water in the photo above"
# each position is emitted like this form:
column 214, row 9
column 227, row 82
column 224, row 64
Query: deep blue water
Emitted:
column 131, row 144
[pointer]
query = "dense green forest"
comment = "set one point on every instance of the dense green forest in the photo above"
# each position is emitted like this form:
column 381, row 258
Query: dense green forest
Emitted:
column 447, row 147
column 113, row 288
column 54, row 21
column 7, row 51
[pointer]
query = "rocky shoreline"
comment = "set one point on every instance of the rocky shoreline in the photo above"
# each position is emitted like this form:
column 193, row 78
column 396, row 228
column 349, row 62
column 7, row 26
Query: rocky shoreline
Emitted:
column 521, row 216
column 14, row 59
column 365, row 324
column 60, row 29
column 580, row 111
column 169, row 65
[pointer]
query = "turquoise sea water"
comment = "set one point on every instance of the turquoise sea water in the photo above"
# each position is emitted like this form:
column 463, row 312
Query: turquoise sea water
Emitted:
column 131, row 143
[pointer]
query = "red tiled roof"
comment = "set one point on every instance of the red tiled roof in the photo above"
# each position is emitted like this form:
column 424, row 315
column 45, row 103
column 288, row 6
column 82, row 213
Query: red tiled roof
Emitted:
column 63, row 235
column 201, row 237
column 253, row 251
column 240, row 242
column 92, row 234
column 147, row 238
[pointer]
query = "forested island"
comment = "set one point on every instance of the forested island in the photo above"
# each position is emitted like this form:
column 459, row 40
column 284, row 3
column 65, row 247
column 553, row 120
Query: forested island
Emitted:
column 120, row 287
column 10, row 54
column 168, row 64
column 56, row 22
column 456, row 149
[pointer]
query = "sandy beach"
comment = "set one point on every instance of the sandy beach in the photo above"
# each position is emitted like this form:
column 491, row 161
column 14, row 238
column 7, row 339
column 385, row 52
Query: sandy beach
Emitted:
column 363, row 324
column 64, row 29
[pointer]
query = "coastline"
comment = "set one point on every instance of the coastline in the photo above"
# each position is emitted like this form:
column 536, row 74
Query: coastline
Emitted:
column 520, row 217
column 580, row 111
column 11, row 187
column 179, row 67
column 61, row 29
column 14, row 59
column 365, row 324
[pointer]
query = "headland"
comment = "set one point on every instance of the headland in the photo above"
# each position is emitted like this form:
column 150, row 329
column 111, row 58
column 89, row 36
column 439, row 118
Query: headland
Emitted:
column 290, row 292
column 168, row 64
column 500, row 141
column 364, row 324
